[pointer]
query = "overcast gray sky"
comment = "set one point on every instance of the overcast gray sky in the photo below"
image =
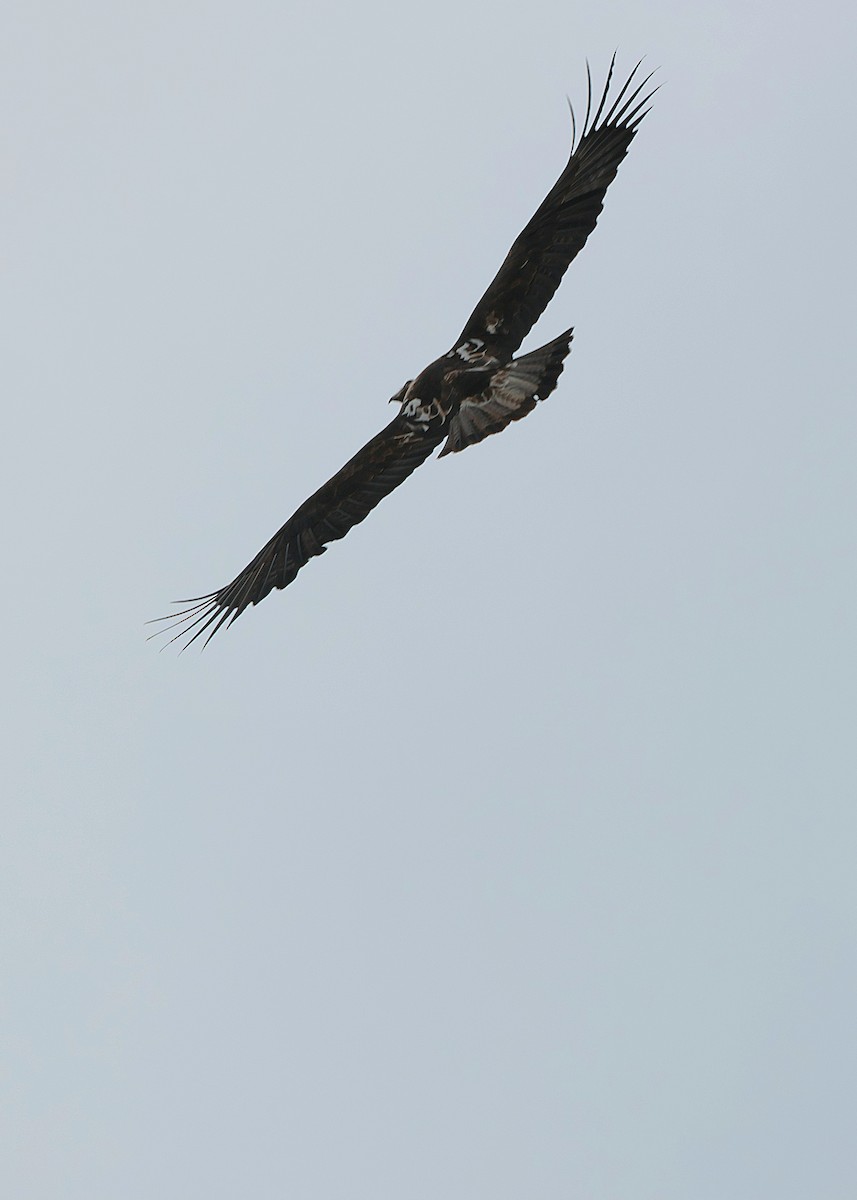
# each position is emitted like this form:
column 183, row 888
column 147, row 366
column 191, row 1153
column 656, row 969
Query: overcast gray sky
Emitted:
column 510, row 852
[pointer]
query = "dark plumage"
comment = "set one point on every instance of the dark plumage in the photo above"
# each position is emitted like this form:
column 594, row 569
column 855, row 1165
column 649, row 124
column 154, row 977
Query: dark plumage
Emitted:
column 477, row 388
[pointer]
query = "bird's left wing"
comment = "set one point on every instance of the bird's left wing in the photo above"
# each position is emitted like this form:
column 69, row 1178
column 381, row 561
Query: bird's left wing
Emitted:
column 558, row 230
column 344, row 501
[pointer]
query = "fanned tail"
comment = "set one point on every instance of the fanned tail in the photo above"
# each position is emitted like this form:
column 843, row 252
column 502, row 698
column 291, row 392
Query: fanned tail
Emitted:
column 513, row 392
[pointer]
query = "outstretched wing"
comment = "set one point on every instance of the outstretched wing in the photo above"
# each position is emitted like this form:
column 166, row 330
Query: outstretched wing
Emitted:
column 344, row 501
column 541, row 254
column 513, row 392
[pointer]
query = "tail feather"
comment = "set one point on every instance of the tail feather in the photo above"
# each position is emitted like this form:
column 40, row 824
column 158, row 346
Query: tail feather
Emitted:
column 513, row 392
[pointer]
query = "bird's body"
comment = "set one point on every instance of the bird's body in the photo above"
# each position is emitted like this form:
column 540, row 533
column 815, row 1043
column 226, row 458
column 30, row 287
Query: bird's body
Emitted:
column 473, row 390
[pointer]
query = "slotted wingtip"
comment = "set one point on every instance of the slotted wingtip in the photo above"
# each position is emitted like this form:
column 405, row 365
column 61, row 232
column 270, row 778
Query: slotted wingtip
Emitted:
column 626, row 109
column 198, row 616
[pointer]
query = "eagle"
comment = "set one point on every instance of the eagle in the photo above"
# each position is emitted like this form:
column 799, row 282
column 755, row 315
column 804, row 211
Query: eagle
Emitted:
column 473, row 390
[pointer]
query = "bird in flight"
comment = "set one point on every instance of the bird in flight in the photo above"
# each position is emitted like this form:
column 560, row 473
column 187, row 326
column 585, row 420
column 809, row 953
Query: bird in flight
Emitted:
column 475, row 389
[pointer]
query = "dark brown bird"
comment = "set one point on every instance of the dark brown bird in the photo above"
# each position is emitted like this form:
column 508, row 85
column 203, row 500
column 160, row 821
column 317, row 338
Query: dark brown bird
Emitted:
column 477, row 388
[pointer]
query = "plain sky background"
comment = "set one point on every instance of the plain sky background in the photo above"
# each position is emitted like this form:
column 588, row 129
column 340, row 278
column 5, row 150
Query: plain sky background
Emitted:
column 511, row 851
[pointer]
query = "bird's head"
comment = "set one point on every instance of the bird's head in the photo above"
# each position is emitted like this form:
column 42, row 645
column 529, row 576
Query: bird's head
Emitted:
column 400, row 394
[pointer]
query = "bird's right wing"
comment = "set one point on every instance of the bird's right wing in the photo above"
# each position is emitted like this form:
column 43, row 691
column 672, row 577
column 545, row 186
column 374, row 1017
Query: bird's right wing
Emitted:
column 344, row 501
column 541, row 254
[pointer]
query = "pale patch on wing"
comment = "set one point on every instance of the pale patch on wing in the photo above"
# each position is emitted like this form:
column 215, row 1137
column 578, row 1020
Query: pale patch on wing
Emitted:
column 421, row 412
column 470, row 351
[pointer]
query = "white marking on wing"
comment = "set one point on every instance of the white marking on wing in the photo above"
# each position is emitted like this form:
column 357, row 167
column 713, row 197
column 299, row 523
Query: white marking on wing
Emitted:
column 421, row 413
column 469, row 351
